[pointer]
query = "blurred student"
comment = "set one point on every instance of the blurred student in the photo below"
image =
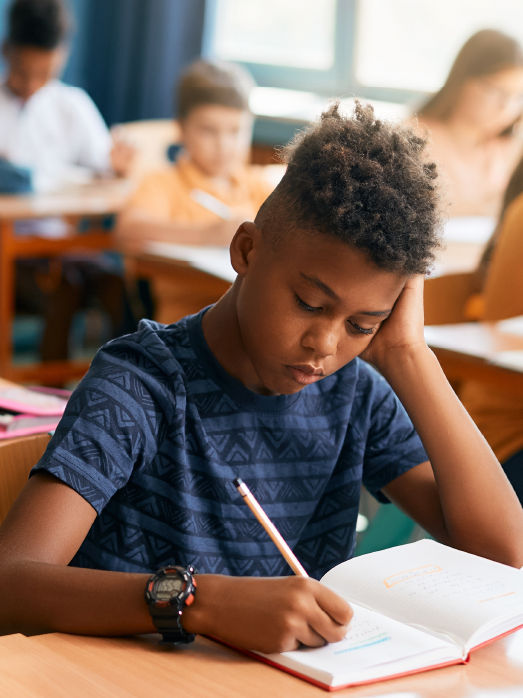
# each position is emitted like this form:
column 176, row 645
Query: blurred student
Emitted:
column 51, row 128
column 497, row 413
column 55, row 132
column 472, row 123
column 210, row 189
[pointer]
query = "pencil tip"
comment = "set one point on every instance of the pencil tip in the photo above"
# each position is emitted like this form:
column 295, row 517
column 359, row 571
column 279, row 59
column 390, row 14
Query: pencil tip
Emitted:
column 237, row 482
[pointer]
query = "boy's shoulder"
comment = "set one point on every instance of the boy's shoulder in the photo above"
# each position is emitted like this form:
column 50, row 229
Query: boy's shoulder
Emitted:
column 64, row 93
column 155, row 341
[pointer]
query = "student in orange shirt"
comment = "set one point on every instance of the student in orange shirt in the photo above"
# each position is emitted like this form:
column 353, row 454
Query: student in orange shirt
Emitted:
column 210, row 189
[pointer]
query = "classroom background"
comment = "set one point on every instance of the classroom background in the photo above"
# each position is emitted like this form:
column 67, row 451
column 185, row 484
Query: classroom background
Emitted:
column 128, row 54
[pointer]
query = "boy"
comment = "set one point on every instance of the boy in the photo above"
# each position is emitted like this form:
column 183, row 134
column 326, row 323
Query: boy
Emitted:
column 265, row 385
column 53, row 129
column 56, row 132
column 210, row 190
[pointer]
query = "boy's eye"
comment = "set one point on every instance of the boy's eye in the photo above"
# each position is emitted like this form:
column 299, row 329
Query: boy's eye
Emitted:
column 305, row 306
column 361, row 330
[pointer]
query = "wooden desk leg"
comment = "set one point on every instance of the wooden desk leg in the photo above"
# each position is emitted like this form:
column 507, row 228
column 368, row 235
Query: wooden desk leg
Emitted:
column 7, row 296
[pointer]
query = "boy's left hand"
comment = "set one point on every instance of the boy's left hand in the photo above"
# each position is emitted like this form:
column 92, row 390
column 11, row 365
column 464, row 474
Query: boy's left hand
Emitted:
column 403, row 329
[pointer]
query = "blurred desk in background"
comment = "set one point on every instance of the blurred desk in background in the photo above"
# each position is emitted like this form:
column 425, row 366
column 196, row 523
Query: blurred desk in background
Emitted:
column 92, row 201
column 464, row 240
column 491, row 352
column 183, row 278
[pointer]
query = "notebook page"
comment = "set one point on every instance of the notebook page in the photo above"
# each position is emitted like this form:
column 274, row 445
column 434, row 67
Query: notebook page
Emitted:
column 429, row 585
column 375, row 646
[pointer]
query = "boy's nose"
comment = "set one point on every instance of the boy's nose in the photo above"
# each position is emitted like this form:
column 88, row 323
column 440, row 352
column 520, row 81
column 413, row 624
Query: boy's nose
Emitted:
column 322, row 338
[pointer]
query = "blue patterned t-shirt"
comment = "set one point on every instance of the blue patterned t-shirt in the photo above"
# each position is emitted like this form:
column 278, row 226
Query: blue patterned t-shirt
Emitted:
column 156, row 432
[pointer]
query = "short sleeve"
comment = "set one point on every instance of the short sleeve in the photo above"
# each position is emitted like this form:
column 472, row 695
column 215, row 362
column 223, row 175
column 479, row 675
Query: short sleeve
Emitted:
column 92, row 136
column 112, row 425
column 152, row 197
column 393, row 445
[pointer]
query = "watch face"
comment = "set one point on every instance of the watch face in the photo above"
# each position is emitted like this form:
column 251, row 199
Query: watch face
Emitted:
column 167, row 587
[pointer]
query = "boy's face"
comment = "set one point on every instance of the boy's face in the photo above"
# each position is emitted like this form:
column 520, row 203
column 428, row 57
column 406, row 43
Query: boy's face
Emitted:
column 217, row 138
column 29, row 69
column 306, row 308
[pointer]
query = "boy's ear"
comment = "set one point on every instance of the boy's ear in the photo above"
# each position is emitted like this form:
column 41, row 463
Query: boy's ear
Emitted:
column 243, row 246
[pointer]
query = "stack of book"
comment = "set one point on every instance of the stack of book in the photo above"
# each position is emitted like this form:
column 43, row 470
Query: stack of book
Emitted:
column 29, row 410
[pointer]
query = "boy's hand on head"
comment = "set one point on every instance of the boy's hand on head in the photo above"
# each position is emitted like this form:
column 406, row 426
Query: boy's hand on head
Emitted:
column 403, row 329
column 267, row 614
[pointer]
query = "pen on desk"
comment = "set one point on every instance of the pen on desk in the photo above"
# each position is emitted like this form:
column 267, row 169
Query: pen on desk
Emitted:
column 211, row 203
column 271, row 529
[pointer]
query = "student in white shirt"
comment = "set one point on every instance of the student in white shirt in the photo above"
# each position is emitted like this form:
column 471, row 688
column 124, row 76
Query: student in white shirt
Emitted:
column 56, row 132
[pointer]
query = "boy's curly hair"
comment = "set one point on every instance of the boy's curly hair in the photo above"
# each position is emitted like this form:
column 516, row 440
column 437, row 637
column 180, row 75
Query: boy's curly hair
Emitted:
column 363, row 181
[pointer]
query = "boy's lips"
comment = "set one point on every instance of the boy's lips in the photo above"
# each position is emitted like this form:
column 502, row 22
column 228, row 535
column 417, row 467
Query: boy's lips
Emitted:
column 305, row 373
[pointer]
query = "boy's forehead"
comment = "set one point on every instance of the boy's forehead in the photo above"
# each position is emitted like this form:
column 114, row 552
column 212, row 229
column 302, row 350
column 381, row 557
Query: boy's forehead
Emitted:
column 34, row 54
column 324, row 260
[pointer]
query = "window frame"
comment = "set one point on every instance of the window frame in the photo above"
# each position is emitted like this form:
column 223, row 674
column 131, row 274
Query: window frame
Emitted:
column 338, row 81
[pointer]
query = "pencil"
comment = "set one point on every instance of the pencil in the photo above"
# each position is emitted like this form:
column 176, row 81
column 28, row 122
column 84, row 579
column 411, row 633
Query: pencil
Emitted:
column 211, row 203
column 271, row 529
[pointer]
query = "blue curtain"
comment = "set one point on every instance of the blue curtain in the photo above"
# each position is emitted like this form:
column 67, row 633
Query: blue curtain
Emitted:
column 127, row 53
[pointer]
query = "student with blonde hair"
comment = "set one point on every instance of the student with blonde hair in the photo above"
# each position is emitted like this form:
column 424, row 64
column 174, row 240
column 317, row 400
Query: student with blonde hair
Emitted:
column 210, row 189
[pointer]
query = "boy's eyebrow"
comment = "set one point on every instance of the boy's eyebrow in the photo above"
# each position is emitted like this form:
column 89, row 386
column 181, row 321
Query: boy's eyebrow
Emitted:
column 323, row 287
column 329, row 292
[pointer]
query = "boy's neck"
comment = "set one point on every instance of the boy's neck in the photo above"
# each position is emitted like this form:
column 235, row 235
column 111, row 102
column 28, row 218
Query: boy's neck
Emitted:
column 222, row 334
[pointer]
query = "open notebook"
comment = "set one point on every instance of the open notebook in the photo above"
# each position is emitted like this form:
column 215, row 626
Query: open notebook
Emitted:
column 416, row 607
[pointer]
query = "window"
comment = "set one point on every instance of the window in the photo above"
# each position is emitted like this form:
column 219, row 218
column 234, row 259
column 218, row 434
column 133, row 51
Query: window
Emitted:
column 378, row 49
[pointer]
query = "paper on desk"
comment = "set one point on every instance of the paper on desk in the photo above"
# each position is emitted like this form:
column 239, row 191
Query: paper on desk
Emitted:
column 512, row 325
column 509, row 359
column 212, row 260
column 469, row 229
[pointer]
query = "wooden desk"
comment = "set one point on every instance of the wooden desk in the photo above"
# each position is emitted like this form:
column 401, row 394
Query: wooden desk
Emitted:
column 57, row 665
column 472, row 351
column 87, row 201
column 184, row 278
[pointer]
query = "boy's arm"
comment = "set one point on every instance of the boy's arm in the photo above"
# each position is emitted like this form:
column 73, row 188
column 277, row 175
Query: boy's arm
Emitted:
column 463, row 497
column 40, row 593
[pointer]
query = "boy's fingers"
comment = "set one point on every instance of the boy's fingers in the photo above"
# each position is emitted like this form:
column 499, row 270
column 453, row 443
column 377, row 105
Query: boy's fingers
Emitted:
column 310, row 638
column 328, row 629
column 333, row 605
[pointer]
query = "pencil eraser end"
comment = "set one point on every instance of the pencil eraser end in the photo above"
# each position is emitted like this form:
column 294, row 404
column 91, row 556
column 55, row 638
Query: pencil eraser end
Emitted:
column 237, row 482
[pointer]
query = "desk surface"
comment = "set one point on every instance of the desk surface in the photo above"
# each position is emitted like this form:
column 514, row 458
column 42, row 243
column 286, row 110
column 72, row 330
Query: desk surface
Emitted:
column 93, row 198
column 490, row 342
column 57, row 665
column 211, row 260
column 491, row 353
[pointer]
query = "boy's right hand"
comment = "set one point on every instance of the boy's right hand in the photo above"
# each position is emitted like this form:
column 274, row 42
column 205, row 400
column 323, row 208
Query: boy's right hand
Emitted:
column 275, row 614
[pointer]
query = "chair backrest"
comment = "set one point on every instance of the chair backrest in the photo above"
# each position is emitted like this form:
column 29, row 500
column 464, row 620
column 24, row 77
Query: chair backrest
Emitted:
column 17, row 457
column 152, row 139
column 446, row 296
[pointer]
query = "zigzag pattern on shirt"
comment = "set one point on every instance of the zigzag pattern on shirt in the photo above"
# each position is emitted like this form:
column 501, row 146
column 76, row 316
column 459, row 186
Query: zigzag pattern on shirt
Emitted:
column 155, row 434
